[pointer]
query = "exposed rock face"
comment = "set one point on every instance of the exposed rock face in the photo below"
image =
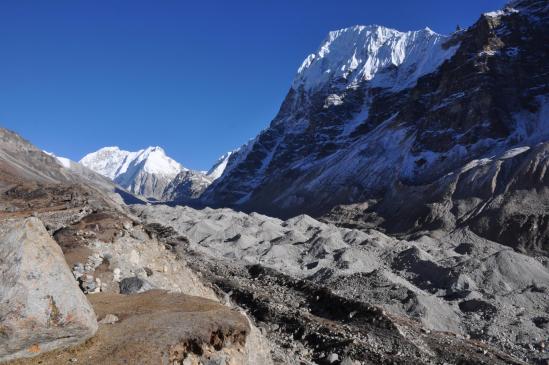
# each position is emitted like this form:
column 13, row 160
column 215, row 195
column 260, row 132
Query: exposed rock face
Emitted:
column 41, row 306
column 441, row 140
column 107, row 248
column 20, row 161
column 459, row 283
column 503, row 198
column 409, row 139
column 186, row 186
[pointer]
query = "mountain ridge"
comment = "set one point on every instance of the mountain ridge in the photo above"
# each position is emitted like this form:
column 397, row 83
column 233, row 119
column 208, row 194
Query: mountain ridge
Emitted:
column 357, row 140
column 151, row 173
column 375, row 51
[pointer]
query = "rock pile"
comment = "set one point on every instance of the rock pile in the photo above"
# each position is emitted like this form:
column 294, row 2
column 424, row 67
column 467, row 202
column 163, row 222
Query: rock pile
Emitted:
column 459, row 283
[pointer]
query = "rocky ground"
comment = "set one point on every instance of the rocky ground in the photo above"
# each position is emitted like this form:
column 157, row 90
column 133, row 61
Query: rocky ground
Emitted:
column 296, row 276
column 438, row 253
column 151, row 307
column 77, row 270
column 315, row 293
column 158, row 327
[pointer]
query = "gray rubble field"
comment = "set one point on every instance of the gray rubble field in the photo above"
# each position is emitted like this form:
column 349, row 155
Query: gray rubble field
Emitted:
column 458, row 282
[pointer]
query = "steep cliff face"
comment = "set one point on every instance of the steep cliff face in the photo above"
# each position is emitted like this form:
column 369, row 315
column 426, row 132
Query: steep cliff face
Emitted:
column 388, row 118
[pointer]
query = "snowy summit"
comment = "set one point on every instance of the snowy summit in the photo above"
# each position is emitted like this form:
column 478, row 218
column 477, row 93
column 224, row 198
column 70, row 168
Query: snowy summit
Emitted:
column 219, row 167
column 146, row 172
column 151, row 173
column 113, row 162
column 386, row 57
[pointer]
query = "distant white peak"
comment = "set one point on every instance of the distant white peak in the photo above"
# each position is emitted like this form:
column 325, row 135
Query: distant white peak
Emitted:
column 113, row 162
column 219, row 167
column 108, row 161
column 110, row 148
column 155, row 161
column 63, row 161
column 371, row 53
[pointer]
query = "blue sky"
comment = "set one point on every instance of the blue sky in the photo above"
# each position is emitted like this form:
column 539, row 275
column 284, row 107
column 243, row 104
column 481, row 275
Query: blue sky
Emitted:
column 198, row 78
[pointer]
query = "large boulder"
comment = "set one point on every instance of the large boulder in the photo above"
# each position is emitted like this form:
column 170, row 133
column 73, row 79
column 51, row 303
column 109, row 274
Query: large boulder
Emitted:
column 41, row 306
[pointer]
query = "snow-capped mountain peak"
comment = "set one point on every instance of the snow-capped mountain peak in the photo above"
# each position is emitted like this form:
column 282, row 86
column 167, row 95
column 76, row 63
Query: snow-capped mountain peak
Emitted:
column 219, row 167
column 108, row 161
column 155, row 161
column 113, row 162
column 386, row 57
column 151, row 173
column 146, row 172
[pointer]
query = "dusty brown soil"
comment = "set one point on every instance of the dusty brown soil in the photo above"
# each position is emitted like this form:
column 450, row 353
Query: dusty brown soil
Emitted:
column 154, row 328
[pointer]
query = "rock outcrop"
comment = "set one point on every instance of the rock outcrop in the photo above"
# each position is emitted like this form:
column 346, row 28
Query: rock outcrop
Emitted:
column 41, row 306
column 110, row 252
column 186, row 186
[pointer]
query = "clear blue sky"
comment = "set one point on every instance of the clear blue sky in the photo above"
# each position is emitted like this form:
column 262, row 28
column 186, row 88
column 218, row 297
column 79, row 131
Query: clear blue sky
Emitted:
column 196, row 77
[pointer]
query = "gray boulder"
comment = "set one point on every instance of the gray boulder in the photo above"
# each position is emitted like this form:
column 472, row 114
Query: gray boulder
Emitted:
column 134, row 285
column 41, row 306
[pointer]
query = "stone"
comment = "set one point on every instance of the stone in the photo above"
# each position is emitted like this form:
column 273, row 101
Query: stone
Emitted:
column 134, row 285
column 109, row 319
column 148, row 271
column 332, row 358
column 78, row 270
column 116, row 274
column 41, row 306
column 134, row 258
column 349, row 361
column 87, row 283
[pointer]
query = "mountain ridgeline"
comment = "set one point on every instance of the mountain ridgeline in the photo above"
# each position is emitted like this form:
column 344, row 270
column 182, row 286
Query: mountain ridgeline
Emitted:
column 152, row 174
column 411, row 131
column 402, row 131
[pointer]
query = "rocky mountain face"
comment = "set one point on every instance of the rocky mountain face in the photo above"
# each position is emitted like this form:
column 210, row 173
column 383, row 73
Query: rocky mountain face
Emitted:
column 425, row 131
column 28, row 173
column 186, row 186
column 149, row 173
